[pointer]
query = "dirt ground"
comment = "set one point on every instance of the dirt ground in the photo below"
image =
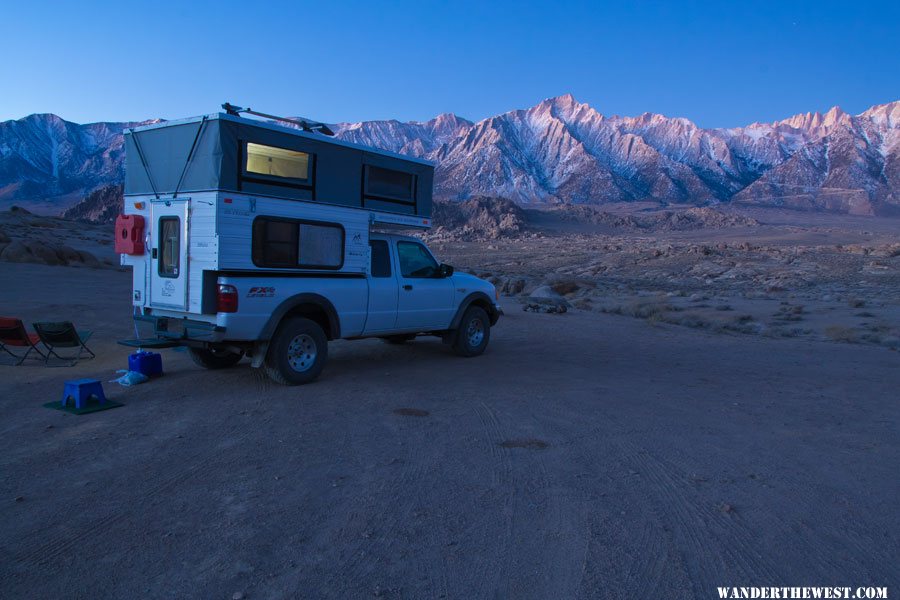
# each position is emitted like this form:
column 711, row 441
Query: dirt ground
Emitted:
column 585, row 455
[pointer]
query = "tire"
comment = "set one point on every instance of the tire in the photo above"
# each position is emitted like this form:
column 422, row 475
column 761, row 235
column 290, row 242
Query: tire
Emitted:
column 398, row 339
column 297, row 352
column 215, row 358
column 473, row 333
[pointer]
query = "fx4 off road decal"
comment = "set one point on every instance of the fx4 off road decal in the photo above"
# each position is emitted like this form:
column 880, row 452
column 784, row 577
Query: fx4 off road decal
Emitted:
column 261, row 292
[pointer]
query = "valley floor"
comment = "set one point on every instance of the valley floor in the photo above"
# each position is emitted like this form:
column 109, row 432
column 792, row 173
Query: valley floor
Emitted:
column 585, row 455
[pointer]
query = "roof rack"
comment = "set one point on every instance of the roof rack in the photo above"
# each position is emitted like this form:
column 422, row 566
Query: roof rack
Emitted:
column 312, row 126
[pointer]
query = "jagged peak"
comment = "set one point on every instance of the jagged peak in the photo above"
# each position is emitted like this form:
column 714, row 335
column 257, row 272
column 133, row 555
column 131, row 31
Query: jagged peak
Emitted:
column 815, row 120
column 563, row 100
column 650, row 118
column 449, row 118
column 834, row 114
column 884, row 114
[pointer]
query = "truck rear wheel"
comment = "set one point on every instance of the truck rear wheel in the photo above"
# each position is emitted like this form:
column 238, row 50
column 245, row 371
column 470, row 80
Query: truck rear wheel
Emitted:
column 297, row 352
column 215, row 358
column 473, row 333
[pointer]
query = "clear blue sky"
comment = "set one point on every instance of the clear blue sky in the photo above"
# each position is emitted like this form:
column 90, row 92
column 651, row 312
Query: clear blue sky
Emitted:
column 720, row 64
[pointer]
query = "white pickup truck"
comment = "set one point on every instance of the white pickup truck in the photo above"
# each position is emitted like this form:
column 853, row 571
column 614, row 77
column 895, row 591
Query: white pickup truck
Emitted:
column 285, row 323
column 250, row 238
column 406, row 293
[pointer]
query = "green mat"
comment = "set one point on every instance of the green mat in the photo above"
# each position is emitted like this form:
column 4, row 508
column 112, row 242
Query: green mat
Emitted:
column 92, row 406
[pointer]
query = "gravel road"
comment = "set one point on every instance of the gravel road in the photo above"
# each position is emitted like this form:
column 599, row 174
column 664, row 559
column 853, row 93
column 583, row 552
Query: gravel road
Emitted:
column 583, row 456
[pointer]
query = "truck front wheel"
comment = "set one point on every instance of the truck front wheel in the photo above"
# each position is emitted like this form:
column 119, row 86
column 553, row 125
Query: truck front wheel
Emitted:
column 297, row 352
column 215, row 358
column 473, row 333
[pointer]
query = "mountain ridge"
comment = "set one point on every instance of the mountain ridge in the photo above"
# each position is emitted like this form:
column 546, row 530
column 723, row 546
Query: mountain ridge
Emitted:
column 558, row 151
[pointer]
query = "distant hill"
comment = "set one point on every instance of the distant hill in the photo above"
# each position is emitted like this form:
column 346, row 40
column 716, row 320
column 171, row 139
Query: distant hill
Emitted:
column 559, row 151
column 100, row 206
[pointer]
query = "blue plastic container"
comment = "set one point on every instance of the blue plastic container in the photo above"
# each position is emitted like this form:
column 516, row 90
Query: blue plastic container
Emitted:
column 148, row 363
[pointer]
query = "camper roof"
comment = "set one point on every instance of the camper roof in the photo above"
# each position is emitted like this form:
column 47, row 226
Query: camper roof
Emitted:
column 276, row 127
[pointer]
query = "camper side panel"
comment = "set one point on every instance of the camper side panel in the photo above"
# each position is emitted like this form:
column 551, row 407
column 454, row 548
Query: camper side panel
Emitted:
column 203, row 250
column 236, row 214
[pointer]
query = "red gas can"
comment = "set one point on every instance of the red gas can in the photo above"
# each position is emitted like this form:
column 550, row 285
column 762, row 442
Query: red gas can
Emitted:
column 130, row 234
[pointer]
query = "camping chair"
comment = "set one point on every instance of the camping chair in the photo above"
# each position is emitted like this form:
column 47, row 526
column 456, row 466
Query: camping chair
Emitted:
column 12, row 333
column 63, row 335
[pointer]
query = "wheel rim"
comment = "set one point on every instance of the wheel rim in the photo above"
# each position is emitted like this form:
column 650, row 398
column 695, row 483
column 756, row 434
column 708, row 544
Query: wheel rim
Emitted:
column 302, row 353
column 475, row 333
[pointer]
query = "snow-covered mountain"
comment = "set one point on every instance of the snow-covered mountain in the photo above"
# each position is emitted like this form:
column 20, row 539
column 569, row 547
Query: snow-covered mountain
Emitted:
column 565, row 151
column 49, row 164
column 557, row 151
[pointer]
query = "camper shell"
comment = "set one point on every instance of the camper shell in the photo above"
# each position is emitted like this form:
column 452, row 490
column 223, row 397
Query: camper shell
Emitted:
column 216, row 153
column 210, row 180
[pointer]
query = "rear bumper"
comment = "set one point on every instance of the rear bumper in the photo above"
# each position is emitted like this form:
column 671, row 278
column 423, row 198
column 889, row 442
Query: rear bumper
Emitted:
column 169, row 332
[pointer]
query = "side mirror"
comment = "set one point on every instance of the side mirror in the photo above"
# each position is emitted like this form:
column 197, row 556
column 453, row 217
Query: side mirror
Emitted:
column 445, row 271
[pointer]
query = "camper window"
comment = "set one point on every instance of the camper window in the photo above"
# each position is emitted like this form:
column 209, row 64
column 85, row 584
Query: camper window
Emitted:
column 292, row 244
column 391, row 185
column 276, row 163
column 169, row 247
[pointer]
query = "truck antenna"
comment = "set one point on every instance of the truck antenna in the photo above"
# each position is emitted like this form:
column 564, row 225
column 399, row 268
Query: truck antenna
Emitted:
column 311, row 126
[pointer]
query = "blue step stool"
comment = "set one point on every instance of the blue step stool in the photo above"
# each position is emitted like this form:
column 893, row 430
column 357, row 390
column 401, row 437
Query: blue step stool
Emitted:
column 81, row 390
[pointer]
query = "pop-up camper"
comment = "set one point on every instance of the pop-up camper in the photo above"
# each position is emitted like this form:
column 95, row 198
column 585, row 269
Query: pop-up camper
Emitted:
column 223, row 211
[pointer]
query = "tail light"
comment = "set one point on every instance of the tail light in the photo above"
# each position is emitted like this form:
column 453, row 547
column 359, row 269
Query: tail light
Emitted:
column 226, row 299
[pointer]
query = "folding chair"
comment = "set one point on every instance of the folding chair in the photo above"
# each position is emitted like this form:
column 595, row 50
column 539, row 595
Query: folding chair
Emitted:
column 12, row 333
column 62, row 335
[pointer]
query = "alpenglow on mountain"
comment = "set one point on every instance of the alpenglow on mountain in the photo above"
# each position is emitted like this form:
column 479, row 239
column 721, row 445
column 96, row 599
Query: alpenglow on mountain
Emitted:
column 557, row 151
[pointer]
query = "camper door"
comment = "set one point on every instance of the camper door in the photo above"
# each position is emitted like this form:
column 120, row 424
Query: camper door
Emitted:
column 168, row 254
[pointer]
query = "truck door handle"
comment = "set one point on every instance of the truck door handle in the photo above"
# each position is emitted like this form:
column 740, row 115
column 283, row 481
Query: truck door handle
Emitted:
column 407, row 287
column 153, row 253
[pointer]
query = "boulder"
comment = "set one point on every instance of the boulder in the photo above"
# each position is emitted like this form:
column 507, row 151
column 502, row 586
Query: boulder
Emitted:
column 511, row 287
column 546, row 299
column 22, row 251
column 33, row 251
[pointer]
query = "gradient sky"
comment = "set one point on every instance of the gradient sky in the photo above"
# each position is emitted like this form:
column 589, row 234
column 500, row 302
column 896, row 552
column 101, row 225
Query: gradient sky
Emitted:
column 718, row 63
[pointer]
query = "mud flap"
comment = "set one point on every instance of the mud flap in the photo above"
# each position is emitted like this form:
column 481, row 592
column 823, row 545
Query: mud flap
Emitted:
column 258, row 354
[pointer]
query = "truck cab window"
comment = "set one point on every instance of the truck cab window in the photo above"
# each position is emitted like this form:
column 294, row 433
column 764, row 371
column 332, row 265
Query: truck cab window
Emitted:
column 381, row 258
column 415, row 260
column 169, row 246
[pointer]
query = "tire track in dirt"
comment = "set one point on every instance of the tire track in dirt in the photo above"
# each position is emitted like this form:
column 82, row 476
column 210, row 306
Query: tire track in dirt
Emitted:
column 645, row 576
column 385, row 515
column 558, row 524
column 491, row 576
column 755, row 564
column 621, row 555
column 62, row 543
column 699, row 524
